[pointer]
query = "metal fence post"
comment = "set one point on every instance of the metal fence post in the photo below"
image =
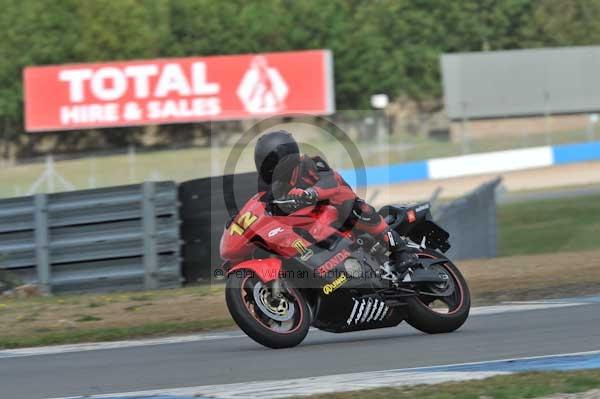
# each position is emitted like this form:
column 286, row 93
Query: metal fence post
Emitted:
column 149, row 228
column 493, row 219
column 40, row 205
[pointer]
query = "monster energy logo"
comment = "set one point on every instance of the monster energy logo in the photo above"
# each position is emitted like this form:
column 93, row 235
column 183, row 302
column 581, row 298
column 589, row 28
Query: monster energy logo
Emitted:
column 305, row 253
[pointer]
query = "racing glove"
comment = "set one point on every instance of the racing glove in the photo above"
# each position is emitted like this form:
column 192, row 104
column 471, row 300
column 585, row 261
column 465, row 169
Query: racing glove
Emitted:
column 306, row 197
column 297, row 198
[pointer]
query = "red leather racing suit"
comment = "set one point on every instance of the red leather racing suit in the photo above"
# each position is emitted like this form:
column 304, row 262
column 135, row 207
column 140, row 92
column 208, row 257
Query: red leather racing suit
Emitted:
column 294, row 175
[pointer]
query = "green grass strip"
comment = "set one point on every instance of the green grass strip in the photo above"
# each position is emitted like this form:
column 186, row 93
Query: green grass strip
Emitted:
column 112, row 333
column 557, row 225
column 514, row 386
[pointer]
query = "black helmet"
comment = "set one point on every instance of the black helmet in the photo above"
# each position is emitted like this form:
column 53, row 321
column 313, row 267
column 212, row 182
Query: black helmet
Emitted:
column 270, row 149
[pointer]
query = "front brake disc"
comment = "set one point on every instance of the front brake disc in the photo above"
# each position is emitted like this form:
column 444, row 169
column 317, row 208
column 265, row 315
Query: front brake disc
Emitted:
column 284, row 311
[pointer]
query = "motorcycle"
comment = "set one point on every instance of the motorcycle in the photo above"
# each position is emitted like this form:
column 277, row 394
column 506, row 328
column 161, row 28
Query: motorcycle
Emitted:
column 288, row 272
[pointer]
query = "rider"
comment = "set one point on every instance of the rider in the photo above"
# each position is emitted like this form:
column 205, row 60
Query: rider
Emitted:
column 285, row 173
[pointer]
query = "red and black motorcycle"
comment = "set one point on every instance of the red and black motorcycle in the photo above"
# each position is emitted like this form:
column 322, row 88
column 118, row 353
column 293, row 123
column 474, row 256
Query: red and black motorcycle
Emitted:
column 286, row 272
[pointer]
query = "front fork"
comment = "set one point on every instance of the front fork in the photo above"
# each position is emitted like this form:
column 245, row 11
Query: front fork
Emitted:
column 276, row 288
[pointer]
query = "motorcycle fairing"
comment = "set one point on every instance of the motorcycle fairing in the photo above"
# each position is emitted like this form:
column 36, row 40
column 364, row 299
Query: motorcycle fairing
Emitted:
column 255, row 224
column 348, row 312
column 415, row 221
column 266, row 270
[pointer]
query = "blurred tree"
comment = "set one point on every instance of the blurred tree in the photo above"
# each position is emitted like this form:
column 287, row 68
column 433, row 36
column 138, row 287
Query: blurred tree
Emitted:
column 60, row 31
column 116, row 30
column 119, row 30
column 34, row 32
column 389, row 46
column 562, row 23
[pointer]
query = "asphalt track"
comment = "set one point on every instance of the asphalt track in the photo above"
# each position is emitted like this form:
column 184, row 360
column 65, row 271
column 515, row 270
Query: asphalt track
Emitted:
column 233, row 358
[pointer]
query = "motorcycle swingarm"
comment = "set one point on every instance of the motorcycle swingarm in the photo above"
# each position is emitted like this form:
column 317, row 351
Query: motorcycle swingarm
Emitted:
column 428, row 276
column 429, row 262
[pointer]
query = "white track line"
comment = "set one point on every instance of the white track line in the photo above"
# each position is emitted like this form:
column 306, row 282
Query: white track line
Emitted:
column 521, row 307
column 304, row 386
column 327, row 384
column 58, row 349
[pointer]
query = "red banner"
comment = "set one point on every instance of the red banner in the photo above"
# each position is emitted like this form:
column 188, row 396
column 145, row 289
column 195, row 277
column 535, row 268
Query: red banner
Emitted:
column 67, row 97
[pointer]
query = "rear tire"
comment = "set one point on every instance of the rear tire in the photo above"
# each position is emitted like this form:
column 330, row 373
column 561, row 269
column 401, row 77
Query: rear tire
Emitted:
column 425, row 319
column 257, row 323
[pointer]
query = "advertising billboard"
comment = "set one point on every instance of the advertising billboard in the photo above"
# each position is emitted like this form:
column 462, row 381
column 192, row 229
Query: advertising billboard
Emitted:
column 177, row 90
column 521, row 83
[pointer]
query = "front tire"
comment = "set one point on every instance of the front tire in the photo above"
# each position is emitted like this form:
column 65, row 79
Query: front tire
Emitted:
column 275, row 322
column 424, row 316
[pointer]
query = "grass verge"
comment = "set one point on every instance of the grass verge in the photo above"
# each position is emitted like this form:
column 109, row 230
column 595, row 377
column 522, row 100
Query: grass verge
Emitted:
column 532, row 277
column 514, row 386
column 113, row 333
column 550, row 226
column 66, row 319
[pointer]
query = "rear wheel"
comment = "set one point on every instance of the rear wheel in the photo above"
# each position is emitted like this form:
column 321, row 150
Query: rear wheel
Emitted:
column 440, row 308
column 274, row 320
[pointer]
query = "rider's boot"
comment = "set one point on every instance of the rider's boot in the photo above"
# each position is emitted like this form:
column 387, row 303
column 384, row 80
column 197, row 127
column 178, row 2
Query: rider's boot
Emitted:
column 402, row 257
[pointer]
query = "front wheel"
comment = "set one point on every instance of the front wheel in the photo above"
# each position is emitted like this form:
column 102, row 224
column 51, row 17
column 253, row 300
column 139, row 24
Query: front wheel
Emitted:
column 275, row 318
column 440, row 308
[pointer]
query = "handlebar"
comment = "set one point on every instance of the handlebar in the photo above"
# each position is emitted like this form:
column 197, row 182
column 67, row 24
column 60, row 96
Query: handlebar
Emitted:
column 284, row 201
column 290, row 205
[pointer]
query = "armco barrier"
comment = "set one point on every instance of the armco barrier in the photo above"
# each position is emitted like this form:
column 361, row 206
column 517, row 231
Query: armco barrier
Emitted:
column 471, row 222
column 123, row 237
